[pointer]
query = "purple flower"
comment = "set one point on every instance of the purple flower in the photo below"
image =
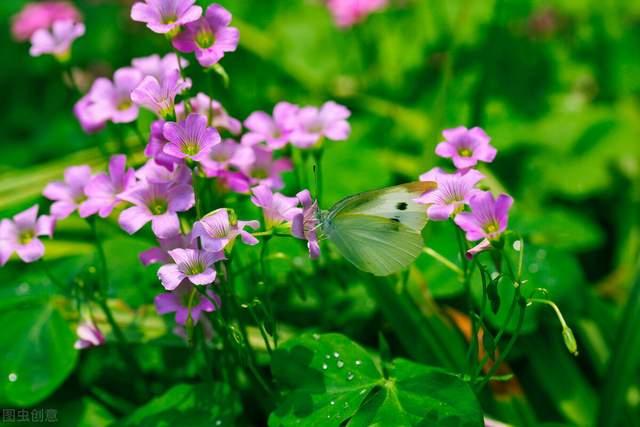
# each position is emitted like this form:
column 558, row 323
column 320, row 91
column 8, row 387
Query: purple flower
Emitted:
column 225, row 156
column 158, row 203
column 155, row 147
column 234, row 181
column 58, row 41
column 190, row 138
column 313, row 123
column 306, row 223
column 160, row 254
column 68, row 194
column 21, row 235
column 218, row 229
column 35, row 16
column 277, row 208
column 215, row 113
column 273, row 131
column 111, row 100
column 88, row 336
column 178, row 302
column 466, row 147
column 265, row 169
column 210, row 36
column 86, row 115
column 349, row 12
column 165, row 16
column 154, row 173
column 487, row 220
column 453, row 192
column 102, row 190
column 194, row 265
column 159, row 67
column 160, row 96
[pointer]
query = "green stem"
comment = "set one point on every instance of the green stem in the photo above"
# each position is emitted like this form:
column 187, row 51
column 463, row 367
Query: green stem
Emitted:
column 507, row 349
column 443, row 260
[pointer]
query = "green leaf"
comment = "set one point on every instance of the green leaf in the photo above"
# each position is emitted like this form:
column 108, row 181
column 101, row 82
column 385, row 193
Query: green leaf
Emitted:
column 36, row 353
column 207, row 405
column 332, row 380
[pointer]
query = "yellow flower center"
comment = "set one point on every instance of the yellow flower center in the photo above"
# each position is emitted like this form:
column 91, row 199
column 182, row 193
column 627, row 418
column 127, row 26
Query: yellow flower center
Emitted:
column 125, row 104
column 205, row 39
column 158, row 206
column 26, row 237
column 465, row 152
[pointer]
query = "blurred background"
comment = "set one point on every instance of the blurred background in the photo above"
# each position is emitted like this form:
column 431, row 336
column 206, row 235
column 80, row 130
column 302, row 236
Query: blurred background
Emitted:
column 556, row 84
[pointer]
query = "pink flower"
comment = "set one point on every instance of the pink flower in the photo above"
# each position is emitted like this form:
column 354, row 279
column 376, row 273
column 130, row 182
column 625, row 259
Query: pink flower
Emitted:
column 453, row 192
column 273, row 131
column 155, row 147
column 111, row 100
column 158, row 203
column 178, row 300
column 349, row 12
column 265, row 169
column 313, row 123
column 215, row 113
column 35, row 16
column 165, row 16
column 277, row 208
column 58, row 41
column 88, row 336
column 487, row 220
column 159, row 67
column 103, row 189
column 68, row 194
column 210, row 36
column 217, row 230
column 21, row 235
column 305, row 224
column 190, row 138
column 87, row 117
column 193, row 265
column 226, row 156
column 154, row 173
column 466, row 147
column 160, row 96
column 160, row 254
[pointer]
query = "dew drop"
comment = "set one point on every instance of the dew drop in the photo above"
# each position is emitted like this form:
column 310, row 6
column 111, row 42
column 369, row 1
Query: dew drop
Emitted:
column 219, row 422
column 340, row 364
column 358, row 362
column 316, row 337
column 363, row 391
column 324, row 366
column 517, row 245
column 13, row 377
column 333, row 402
column 22, row 289
column 350, row 376
column 326, row 356
column 336, row 354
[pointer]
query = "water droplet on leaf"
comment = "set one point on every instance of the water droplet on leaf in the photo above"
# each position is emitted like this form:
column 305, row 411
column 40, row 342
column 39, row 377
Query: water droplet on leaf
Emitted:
column 13, row 377
column 340, row 364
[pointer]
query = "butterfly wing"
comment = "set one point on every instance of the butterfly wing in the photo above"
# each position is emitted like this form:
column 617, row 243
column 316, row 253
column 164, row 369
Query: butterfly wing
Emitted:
column 375, row 244
column 393, row 203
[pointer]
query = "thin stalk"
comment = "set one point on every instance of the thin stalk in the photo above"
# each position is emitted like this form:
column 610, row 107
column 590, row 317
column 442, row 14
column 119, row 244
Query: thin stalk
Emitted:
column 443, row 260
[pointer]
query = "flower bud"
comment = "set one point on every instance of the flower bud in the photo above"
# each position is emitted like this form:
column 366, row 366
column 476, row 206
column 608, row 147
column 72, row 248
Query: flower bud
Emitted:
column 570, row 341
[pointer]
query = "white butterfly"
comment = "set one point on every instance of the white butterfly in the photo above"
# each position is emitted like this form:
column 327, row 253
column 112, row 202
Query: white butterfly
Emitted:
column 379, row 231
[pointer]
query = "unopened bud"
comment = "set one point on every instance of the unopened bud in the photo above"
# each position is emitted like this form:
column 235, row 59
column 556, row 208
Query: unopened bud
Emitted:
column 570, row 341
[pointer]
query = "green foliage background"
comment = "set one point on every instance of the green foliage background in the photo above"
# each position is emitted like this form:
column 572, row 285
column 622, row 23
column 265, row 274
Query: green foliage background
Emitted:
column 555, row 83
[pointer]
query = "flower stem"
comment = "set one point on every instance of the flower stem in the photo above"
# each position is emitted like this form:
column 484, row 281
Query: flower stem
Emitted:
column 442, row 260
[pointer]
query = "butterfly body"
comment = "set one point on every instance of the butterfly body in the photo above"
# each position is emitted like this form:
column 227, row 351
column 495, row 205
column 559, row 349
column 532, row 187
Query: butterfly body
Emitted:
column 379, row 231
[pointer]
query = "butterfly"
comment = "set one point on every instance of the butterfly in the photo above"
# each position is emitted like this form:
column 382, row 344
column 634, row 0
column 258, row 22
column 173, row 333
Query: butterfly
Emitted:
column 379, row 231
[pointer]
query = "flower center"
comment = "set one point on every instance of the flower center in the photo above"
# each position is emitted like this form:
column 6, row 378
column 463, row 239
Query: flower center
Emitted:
column 491, row 228
column 124, row 104
column 205, row 39
column 465, row 152
column 194, row 267
column 26, row 236
column 190, row 148
column 158, row 206
column 260, row 173
column 169, row 19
